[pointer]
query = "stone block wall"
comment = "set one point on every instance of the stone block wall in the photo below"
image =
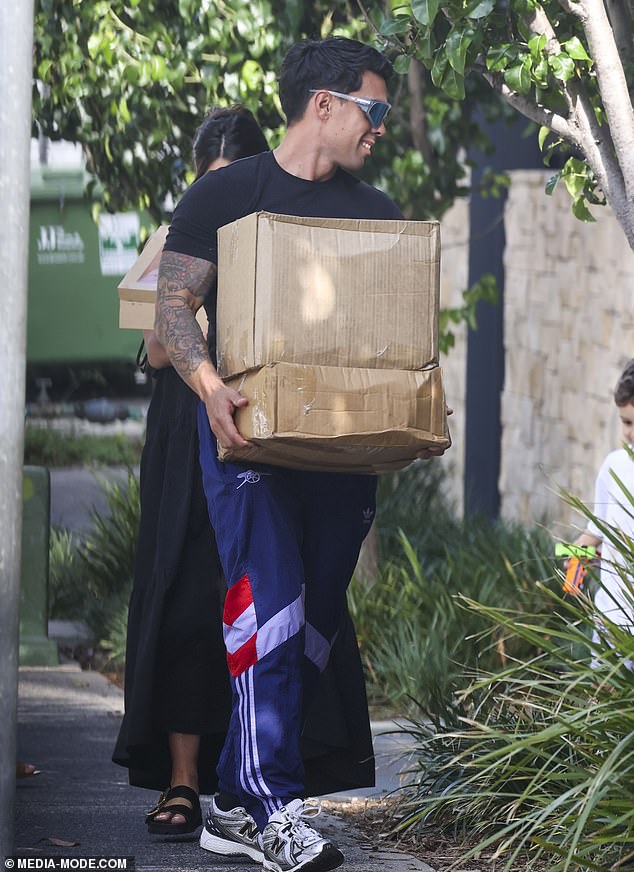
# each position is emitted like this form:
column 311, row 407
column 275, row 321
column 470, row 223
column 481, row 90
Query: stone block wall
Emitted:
column 454, row 279
column 569, row 329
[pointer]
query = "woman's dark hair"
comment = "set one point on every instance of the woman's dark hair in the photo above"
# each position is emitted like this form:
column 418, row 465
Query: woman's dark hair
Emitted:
column 624, row 391
column 335, row 63
column 230, row 133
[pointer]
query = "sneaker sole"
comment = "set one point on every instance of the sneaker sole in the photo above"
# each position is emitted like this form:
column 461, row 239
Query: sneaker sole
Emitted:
column 330, row 858
column 227, row 848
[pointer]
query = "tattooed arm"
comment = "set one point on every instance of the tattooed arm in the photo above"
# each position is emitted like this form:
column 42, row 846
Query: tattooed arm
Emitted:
column 183, row 283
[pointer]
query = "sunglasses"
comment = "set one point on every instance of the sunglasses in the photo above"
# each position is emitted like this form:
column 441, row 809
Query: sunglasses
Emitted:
column 376, row 110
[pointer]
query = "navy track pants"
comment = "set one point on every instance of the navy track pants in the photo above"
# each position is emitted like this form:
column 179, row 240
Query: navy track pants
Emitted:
column 289, row 541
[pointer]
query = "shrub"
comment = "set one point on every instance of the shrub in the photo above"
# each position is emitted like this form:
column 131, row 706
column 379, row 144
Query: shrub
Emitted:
column 52, row 448
column 66, row 595
column 92, row 579
column 417, row 643
column 541, row 766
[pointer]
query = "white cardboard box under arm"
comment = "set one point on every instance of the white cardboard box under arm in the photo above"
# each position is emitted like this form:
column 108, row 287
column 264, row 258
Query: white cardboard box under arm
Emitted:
column 339, row 419
column 137, row 289
column 329, row 292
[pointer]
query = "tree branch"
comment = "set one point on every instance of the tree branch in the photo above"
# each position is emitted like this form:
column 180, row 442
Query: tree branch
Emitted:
column 572, row 7
column 418, row 124
column 530, row 109
column 612, row 86
column 589, row 136
column 539, row 23
column 620, row 15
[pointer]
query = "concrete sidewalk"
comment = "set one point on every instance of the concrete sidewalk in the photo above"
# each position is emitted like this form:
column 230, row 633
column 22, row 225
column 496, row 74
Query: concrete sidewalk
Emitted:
column 67, row 724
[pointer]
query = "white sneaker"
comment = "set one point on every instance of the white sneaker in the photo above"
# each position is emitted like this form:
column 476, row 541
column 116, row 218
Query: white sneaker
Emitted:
column 290, row 844
column 231, row 833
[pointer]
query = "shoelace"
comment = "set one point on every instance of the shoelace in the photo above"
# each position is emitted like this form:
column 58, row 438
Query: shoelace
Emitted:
column 297, row 818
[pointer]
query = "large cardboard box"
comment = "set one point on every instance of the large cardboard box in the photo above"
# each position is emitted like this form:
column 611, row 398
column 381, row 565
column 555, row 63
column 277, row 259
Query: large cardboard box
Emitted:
column 327, row 292
column 137, row 289
column 339, row 419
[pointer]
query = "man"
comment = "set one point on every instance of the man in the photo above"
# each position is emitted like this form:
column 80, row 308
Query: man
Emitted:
column 288, row 540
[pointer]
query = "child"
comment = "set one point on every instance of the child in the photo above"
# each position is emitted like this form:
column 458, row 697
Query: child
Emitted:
column 613, row 509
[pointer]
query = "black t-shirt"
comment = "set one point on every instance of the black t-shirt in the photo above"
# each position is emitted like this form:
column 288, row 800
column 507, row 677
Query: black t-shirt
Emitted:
column 257, row 184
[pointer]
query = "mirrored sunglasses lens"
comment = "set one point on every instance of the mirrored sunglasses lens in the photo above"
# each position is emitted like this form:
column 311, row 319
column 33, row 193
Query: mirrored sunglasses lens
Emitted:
column 377, row 113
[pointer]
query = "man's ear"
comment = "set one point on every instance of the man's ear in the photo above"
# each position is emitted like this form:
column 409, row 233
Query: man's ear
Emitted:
column 322, row 102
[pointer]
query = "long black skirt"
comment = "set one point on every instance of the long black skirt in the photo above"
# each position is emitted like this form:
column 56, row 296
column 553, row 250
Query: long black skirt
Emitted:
column 176, row 677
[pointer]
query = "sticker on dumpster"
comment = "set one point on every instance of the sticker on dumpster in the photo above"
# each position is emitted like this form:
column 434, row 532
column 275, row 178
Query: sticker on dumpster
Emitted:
column 118, row 242
column 56, row 245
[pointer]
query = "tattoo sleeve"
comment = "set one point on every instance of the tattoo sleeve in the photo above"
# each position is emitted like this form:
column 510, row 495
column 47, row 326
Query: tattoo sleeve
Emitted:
column 183, row 284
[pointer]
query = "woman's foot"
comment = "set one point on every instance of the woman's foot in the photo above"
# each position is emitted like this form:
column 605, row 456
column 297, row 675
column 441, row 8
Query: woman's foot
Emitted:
column 25, row 770
column 176, row 813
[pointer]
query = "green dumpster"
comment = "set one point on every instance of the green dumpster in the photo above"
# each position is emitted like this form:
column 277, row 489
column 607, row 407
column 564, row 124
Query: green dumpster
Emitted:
column 75, row 265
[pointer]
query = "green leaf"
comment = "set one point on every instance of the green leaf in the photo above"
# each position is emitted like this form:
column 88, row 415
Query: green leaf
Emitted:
column 158, row 68
column 94, row 45
column 438, row 68
column 518, row 78
column 580, row 210
column 574, row 48
column 574, row 176
column 453, row 84
column 539, row 72
column 43, row 69
column 425, row 11
column 131, row 73
column 537, row 44
column 425, row 45
column 551, row 184
column 394, row 26
column 124, row 112
column 251, row 74
column 456, row 45
column 402, row 63
column 542, row 136
column 326, row 26
column 562, row 66
column 480, row 8
column 500, row 56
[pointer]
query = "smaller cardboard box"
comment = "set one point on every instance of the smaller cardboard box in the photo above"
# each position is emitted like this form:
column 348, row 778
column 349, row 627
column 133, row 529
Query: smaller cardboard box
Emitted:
column 137, row 289
column 327, row 292
column 339, row 419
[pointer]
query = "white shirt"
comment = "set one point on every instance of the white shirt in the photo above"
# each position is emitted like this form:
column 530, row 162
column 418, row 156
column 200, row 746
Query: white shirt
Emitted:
column 615, row 597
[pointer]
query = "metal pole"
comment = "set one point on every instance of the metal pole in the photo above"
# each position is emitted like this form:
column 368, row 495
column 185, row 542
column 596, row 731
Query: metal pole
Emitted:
column 16, row 51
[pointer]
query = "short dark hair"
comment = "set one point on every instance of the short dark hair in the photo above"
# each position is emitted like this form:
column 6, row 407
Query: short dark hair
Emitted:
column 336, row 64
column 624, row 391
column 231, row 133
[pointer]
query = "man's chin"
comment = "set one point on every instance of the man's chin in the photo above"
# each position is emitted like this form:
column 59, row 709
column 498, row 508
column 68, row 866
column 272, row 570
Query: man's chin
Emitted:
column 355, row 165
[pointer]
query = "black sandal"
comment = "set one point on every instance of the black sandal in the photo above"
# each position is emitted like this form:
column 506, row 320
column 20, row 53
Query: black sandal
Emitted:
column 193, row 816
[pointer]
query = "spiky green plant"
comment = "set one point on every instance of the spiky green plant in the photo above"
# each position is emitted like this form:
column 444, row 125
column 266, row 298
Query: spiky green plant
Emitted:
column 91, row 579
column 417, row 643
column 542, row 766
column 107, row 556
column 65, row 587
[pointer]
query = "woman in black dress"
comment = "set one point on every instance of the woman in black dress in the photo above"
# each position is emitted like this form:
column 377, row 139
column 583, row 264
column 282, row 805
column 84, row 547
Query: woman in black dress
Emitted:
column 177, row 691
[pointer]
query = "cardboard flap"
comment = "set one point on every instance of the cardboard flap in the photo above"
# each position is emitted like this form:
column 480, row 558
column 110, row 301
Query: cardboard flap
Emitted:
column 143, row 273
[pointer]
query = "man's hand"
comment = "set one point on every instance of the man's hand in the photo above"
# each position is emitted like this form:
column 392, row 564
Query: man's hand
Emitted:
column 221, row 405
column 434, row 451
